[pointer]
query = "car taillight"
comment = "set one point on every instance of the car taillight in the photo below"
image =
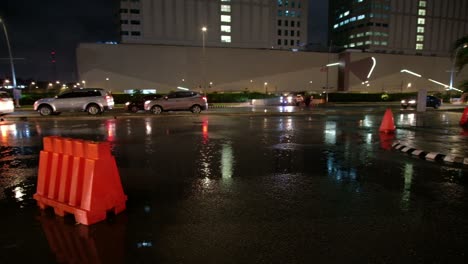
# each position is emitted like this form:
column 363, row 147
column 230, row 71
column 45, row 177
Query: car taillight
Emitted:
column 204, row 98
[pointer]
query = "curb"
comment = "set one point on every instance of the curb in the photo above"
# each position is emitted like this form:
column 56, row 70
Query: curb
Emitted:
column 431, row 156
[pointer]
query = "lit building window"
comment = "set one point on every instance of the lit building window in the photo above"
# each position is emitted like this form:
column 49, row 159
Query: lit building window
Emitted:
column 225, row 18
column 422, row 12
column 225, row 0
column 225, row 39
column 368, row 42
column 351, row 45
column 419, row 46
column 384, row 43
column 419, row 38
column 359, row 43
column 420, row 30
column 376, row 42
column 421, row 21
column 422, row 3
column 225, row 8
column 225, row 28
column 361, row 17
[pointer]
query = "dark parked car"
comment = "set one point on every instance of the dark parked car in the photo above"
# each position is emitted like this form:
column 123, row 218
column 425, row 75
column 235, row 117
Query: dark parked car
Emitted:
column 431, row 101
column 138, row 103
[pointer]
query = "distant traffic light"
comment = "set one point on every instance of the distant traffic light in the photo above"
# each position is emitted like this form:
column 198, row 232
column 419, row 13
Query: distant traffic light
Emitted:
column 52, row 56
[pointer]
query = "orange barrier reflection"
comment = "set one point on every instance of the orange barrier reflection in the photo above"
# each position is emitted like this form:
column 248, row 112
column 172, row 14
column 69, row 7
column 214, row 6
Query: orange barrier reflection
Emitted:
column 386, row 140
column 70, row 243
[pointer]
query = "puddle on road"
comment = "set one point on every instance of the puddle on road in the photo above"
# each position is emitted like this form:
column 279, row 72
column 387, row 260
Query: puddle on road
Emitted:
column 216, row 176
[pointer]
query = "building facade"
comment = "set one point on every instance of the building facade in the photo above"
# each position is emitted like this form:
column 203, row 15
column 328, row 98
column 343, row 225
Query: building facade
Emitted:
column 415, row 27
column 264, row 24
column 163, row 68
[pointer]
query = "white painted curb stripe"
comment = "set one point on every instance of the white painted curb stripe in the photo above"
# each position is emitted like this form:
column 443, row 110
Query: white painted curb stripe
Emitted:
column 432, row 155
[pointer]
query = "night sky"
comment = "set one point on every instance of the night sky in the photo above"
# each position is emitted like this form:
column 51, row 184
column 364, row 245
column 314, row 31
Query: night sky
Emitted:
column 38, row 27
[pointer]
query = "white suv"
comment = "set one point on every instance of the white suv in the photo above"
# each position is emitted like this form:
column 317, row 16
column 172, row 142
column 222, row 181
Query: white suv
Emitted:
column 91, row 100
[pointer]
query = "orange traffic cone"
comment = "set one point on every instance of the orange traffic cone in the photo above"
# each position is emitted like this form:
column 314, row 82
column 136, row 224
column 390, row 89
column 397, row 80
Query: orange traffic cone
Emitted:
column 464, row 118
column 387, row 125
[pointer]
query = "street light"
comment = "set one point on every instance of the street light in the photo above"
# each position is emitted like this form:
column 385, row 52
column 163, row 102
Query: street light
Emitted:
column 266, row 87
column 203, row 29
column 13, row 76
column 453, row 63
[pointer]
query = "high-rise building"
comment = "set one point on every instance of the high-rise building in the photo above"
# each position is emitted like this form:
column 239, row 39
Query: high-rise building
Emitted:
column 416, row 27
column 266, row 24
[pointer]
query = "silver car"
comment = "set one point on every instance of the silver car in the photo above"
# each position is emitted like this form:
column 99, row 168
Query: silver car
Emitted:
column 177, row 101
column 6, row 103
column 91, row 100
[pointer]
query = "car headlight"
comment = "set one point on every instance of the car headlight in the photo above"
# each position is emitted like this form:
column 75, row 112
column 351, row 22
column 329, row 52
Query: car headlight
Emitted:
column 403, row 101
column 127, row 103
column 412, row 101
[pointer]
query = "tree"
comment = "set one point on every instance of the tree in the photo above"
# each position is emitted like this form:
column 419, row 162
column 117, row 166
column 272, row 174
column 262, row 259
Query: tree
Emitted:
column 460, row 50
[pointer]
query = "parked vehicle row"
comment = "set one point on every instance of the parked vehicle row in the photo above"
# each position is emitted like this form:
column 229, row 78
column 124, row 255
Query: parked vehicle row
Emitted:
column 96, row 100
column 431, row 101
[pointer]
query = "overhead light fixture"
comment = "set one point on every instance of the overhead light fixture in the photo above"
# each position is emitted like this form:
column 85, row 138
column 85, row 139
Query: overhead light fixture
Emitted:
column 373, row 66
column 412, row 73
column 333, row 64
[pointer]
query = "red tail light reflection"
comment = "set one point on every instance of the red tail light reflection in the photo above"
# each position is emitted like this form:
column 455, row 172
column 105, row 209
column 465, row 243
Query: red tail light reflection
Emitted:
column 205, row 131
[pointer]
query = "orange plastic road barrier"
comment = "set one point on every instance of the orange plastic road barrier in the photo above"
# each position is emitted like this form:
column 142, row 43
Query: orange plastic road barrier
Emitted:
column 388, row 124
column 79, row 177
column 464, row 118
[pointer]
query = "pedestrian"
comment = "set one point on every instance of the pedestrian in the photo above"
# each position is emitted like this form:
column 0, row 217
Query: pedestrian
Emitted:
column 16, row 96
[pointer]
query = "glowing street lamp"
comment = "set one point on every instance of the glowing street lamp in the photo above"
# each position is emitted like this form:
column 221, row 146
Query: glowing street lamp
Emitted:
column 13, row 76
column 203, row 29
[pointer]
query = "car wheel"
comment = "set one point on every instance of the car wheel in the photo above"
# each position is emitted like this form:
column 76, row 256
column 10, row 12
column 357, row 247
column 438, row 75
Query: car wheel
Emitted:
column 93, row 109
column 196, row 109
column 45, row 110
column 156, row 110
column 134, row 109
column 436, row 106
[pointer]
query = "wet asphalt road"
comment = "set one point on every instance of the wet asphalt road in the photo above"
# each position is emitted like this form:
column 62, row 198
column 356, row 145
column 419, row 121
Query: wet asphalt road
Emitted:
column 249, row 188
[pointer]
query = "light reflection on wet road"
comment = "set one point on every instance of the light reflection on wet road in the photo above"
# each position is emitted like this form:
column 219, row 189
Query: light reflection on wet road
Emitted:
column 248, row 189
